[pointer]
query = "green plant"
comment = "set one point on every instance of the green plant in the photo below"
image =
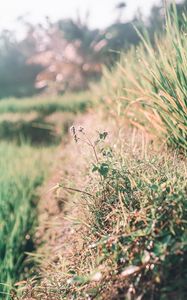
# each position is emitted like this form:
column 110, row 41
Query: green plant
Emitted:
column 148, row 85
column 133, row 215
column 46, row 106
column 22, row 171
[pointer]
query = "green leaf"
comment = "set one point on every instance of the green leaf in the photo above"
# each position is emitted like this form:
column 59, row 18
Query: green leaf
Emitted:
column 103, row 135
column 104, row 169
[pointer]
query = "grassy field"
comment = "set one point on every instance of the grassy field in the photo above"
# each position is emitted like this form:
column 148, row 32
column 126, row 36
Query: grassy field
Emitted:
column 23, row 169
column 137, row 229
column 47, row 105
column 31, row 119
column 128, row 224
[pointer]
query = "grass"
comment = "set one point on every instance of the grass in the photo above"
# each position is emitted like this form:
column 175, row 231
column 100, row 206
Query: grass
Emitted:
column 132, row 228
column 46, row 105
column 37, row 132
column 149, row 84
column 29, row 119
column 28, row 125
column 127, row 234
column 136, row 242
column 23, row 169
column 131, row 238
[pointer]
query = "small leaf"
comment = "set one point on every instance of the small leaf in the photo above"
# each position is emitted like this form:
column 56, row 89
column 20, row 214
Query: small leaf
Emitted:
column 95, row 168
column 103, row 135
column 154, row 187
column 103, row 170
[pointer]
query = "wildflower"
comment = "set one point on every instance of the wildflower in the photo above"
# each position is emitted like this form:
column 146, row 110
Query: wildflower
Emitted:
column 74, row 134
column 81, row 129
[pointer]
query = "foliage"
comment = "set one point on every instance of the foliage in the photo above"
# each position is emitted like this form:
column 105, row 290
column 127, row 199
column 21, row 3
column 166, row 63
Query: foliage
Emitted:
column 33, row 119
column 67, row 55
column 22, row 170
column 133, row 228
column 149, row 83
column 16, row 77
column 47, row 105
column 137, row 227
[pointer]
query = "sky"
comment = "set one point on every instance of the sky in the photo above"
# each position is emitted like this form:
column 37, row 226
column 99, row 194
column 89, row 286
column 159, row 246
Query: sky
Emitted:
column 101, row 11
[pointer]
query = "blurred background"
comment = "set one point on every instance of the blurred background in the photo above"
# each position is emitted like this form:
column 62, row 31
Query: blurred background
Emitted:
column 57, row 46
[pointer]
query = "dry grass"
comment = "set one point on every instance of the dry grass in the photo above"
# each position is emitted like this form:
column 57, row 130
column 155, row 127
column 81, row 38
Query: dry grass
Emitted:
column 118, row 228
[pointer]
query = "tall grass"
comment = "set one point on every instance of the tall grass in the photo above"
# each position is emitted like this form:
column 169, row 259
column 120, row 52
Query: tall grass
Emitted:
column 22, row 169
column 149, row 84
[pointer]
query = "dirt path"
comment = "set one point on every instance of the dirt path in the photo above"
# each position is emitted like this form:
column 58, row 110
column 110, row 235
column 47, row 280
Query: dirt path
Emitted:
column 70, row 166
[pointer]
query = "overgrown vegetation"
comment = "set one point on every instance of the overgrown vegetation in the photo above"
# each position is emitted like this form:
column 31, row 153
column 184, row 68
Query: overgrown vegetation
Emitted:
column 135, row 246
column 27, row 125
column 122, row 233
column 132, row 232
column 23, row 169
column 132, row 237
column 47, row 105
column 149, row 83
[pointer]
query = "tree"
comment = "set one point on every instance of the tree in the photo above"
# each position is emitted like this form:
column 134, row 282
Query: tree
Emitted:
column 120, row 8
column 16, row 77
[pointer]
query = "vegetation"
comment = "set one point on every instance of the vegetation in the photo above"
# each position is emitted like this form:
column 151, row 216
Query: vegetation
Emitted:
column 22, row 170
column 29, row 119
column 46, row 105
column 24, row 165
column 133, row 229
column 149, row 83
column 40, row 61
column 131, row 216
column 16, row 76
column 115, row 226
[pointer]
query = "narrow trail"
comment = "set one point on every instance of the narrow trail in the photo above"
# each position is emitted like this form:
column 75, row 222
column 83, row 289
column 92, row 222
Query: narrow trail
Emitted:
column 56, row 213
